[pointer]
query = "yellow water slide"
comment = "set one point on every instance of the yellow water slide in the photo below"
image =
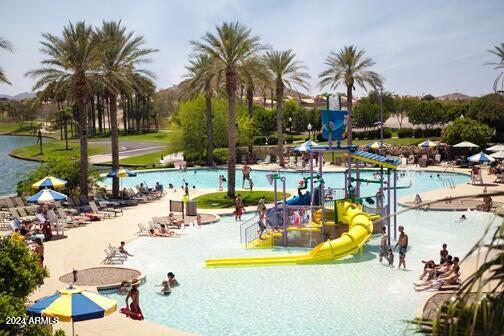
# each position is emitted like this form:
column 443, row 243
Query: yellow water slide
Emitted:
column 360, row 228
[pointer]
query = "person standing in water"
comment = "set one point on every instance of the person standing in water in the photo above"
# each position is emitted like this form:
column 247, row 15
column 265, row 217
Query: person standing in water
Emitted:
column 403, row 246
column 134, row 295
column 384, row 246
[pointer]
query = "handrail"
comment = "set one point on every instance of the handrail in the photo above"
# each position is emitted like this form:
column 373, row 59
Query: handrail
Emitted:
column 448, row 182
column 245, row 225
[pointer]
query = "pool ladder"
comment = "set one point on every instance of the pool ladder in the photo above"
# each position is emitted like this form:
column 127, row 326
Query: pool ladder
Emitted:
column 448, row 182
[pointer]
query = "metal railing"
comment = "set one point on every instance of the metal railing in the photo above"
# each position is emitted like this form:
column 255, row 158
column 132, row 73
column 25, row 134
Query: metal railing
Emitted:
column 245, row 225
column 448, row 182
column 251, row 232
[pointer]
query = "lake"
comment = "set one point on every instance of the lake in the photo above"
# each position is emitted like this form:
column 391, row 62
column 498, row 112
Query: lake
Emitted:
column 13, row 170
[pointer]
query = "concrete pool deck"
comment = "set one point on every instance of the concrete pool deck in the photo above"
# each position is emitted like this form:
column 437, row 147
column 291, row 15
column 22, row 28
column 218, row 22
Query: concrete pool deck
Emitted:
column 84, row 247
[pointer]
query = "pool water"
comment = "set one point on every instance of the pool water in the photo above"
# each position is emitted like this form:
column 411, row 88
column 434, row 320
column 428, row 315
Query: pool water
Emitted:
column 353, row 296
column 208, row 179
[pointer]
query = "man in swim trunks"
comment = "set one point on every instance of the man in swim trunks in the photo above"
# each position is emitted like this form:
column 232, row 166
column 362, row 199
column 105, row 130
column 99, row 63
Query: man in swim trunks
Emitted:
column 246, row 174
column 383, row 244
column 403, row 246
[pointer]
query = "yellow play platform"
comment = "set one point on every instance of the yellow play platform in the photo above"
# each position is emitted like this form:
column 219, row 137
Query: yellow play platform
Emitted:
column 360, row 228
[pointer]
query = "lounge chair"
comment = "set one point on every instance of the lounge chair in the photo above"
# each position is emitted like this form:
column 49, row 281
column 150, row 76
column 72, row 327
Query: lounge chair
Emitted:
column 18, row 201
column 55, row 222
column 133, row 195
column 143, row 231
column 110, row 258
column 105, row 207
column 169, row 222
column 71, row 220
column 9, row 203
column 116, row 252
column 24, row 216
column 96, row 210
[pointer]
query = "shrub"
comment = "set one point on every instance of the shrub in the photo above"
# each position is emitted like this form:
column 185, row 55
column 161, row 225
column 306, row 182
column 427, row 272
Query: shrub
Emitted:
column 261, row 140
column 272, row 140
column 405, row 133
column 467, row 130
column 221, row 155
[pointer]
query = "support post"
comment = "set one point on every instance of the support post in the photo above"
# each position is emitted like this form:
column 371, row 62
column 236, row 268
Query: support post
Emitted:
column 312, row 194
column 322, row 195
column 357, row 185
column 388, row 204
column 395, row 205
column 284, row 213
column 275, row 200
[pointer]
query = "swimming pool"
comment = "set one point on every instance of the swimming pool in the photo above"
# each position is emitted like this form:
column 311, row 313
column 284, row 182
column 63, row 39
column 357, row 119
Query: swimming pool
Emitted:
column 353, row 296
column 208, row 179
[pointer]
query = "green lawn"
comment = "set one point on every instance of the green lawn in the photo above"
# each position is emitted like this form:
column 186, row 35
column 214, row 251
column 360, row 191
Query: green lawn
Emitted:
column 144, row 160
column 16, row 127
column 55, row 150
column 395, row 141
column 219, row 200
column 161, row 136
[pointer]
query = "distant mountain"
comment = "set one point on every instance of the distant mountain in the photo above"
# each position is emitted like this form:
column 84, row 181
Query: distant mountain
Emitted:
column 19, row 96
column 454, row 96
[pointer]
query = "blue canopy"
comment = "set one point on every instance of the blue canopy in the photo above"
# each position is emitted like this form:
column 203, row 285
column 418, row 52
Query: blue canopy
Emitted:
column 481, row 157
column 47, row 195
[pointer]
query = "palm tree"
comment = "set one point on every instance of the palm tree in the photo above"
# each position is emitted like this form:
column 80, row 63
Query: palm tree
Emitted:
column 202, row 78
column 72, row 60
column 499, row 52
column 231, row 46
column 253, row 74
column 120, row 53
column 286, row 72
column 349, row 67
column 4, row 44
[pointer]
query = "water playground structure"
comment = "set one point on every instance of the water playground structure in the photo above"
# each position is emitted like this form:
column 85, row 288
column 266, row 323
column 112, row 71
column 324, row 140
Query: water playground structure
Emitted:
column 334, row 222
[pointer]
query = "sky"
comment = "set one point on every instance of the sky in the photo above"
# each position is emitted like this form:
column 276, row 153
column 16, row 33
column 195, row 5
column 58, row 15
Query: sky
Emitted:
column 419, row 47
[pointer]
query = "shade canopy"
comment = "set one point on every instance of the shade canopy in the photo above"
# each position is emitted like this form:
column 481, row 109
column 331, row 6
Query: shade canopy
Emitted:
column 121, row 172
column 375, row 145
column 465, row 144
column 481, row 158
column 306, row 146
column 49, row 182
column 47, row 195
column 427, row 144
column 498, row 155
column 496, row 148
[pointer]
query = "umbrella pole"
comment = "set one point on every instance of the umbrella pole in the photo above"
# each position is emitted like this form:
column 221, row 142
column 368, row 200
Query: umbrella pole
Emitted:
column 73, row 330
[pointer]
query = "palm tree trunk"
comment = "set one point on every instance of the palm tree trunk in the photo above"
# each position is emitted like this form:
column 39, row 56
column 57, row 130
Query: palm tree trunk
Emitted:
column 114, row 138
column 124, row 113
column 231, row 92
column 83, row 124
column 208, row 103
column 250, row 108
column 279, row 98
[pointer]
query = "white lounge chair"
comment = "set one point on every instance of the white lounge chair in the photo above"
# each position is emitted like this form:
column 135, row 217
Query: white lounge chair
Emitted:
column 143, row 231
column 110, row 258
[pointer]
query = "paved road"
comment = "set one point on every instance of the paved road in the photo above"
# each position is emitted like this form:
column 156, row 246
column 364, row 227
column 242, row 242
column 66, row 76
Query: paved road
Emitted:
column 127, row 149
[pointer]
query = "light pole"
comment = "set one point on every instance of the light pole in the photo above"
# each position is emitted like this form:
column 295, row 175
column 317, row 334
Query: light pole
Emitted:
column 290, row 123
column 309, row 128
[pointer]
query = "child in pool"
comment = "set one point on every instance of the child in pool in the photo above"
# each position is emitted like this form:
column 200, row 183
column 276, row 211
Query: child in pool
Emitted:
column 166, row 289
column 390, row 258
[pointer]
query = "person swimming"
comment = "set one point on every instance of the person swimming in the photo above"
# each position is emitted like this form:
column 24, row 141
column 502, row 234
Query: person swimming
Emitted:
column 166, row 289
column 463, row 217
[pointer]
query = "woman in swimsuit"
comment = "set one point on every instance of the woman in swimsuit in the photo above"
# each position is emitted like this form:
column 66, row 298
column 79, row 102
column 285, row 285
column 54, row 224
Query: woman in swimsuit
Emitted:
column 134, row 294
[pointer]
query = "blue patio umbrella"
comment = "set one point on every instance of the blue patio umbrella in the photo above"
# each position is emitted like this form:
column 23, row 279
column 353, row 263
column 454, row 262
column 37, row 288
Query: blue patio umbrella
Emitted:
column 481, row 158
column 47, row 195
column 427, row 144
column 121, row 172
